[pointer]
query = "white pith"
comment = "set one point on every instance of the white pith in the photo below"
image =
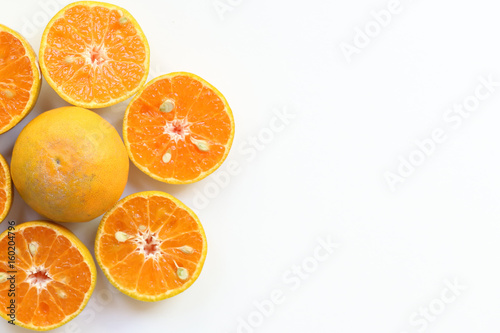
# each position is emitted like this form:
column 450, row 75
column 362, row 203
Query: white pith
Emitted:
column 148, row 244
column 95, row 55
column 35, row 281
column 177, row 129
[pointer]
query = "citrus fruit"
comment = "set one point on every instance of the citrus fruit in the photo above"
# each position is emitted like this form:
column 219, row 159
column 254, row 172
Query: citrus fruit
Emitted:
column 5, row 189
column 151, row 246
column 94, row 54
column 69, row 164
column 20, row 78
column 178, row 129
column 46, row 273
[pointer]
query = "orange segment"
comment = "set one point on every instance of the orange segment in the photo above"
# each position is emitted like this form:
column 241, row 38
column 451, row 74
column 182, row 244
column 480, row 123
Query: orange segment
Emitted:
column 54, row 274
column 69, row 304
column 94, row 54
column 178, row 129
column 151, row 246
column 20, row 78
column 40, row 241
column 5, row 189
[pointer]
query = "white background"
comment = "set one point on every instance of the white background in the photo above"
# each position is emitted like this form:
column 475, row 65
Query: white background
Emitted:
column 323, row 174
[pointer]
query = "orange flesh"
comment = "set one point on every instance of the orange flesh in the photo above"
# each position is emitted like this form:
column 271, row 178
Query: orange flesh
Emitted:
column 3, row 190
column 16, row 78
column 94, row 54
column 50, row 285
column 148, row 265
column 199, row 113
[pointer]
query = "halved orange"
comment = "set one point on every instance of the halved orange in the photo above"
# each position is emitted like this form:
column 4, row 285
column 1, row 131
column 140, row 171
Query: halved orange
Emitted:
column 46, row 273
column 94, row 54
column 178, row 129
column 151, row 246
column 5, row 189
column 20, row 78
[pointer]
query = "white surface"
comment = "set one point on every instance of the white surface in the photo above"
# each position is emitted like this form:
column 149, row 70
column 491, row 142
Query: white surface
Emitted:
column 322, row 175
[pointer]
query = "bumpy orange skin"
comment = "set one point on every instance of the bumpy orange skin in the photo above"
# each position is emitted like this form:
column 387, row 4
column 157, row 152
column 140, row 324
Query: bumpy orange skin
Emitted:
column 70, row 165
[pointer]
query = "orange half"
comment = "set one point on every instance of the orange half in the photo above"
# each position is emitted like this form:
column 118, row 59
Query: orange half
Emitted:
column 178, row 129
column 94, row 54
column 151, row 246
column 5, row 189
column 20, row 78
column 46, row 272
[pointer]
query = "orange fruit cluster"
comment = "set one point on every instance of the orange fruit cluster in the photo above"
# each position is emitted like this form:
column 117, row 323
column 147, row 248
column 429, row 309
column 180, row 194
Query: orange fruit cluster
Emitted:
column 70, row 165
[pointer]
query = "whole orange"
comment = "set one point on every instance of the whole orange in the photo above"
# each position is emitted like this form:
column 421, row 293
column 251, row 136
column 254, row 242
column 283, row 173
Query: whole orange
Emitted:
column 70, row 165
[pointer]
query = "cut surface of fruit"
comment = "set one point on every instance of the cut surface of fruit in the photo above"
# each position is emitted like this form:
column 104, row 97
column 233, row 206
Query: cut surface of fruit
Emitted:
column 20, row 78
column 94, row 54
column 5, row 189
column 178, row 129
column 151, row 246
column 53, row 274
column 69, row 164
